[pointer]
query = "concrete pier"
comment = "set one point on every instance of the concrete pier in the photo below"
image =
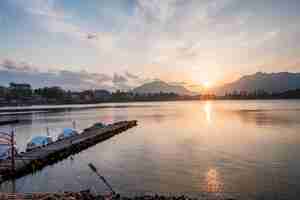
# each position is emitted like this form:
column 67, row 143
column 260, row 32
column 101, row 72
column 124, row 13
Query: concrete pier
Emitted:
column 29, row 162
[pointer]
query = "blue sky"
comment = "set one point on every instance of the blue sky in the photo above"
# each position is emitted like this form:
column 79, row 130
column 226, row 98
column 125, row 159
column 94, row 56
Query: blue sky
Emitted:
column 191, row 41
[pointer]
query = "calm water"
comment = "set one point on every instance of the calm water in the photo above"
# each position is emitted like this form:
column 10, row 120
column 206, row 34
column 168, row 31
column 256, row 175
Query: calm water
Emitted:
column 247, row 149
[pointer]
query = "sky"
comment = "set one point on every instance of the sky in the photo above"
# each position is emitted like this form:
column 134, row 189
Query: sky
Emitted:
column 118, row 44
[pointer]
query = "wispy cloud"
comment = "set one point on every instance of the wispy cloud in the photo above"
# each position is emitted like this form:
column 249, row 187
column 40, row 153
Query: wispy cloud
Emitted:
column 43, row 8
column 11, row 65
column 53, row 18
column 132, row 76
column 265, row 37
column 12, row 71
column 164, row 39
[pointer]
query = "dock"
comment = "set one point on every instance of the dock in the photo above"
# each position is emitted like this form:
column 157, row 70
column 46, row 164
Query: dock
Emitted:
column 29, row 162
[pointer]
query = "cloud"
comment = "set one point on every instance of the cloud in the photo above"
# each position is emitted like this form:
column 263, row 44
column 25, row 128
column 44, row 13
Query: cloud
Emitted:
column 136, row 80
column 120, row 82
column 131, row 76
column 12, row 71
column 262, row 40
column 213, row 36
column 42, row 8
column 158, row 26
column 53, row 18
column 119, row 78
column 164, row 29
column 14, row 66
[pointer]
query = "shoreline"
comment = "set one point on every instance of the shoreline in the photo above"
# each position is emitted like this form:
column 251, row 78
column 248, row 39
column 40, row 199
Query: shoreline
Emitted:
column 31, row 109
column 88, row 195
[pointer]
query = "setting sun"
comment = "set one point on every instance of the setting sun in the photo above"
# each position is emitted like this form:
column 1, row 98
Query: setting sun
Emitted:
column 207, row 84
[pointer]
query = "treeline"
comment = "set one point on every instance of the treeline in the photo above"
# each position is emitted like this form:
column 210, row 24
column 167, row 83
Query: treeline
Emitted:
column 24, row 94
column 261, row 94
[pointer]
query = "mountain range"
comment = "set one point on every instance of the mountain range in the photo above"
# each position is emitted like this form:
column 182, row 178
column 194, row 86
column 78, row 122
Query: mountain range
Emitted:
column 269, row 82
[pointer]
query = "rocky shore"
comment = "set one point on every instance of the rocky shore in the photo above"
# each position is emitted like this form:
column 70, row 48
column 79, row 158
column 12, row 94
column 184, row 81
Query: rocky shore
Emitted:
column 87, row 195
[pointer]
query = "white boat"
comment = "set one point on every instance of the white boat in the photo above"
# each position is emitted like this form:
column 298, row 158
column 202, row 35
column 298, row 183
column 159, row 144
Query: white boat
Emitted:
column 38, row 141
column 67, row 132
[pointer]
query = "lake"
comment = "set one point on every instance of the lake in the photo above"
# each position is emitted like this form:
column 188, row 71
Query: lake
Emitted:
column 244, row 149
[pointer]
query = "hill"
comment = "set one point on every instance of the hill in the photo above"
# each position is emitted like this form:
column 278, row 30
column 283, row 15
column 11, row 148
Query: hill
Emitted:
column 269, row 82
column 160, row 86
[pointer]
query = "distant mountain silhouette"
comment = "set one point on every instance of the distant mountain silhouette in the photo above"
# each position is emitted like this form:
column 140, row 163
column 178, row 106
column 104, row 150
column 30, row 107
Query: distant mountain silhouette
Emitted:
column 269, row 82
column 160, row 86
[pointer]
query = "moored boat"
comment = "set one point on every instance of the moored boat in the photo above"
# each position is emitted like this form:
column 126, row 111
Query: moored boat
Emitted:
column 67, row 132
column 38, row 141
column 96, row 126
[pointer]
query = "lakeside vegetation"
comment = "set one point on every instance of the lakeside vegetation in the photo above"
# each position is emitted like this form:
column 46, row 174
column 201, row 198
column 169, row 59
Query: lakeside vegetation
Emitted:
column 261, row 94
column 25, row 95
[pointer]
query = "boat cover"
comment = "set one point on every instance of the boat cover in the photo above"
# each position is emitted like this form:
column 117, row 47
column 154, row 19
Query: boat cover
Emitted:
column 67, row 132
column 40, row 140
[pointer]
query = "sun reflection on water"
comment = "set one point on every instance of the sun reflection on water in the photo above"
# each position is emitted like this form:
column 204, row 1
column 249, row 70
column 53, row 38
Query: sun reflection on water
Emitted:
column 207, row 110
column 213, row 183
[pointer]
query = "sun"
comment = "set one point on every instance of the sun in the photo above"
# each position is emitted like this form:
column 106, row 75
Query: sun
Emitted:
column 207, row 84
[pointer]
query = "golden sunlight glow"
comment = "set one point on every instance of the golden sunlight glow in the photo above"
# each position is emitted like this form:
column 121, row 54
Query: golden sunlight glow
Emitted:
column 207, row 84
column 207, row 110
